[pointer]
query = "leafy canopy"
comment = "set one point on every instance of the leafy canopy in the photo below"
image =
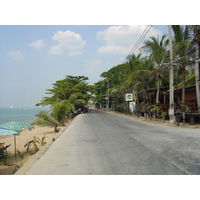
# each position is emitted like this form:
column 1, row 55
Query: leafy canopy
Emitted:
column 72, row 88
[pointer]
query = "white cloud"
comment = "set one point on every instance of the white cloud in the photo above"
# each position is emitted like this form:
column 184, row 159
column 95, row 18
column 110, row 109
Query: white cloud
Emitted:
column 121, row 39
column 68, row 42
column 15, row 55
column 37, row 44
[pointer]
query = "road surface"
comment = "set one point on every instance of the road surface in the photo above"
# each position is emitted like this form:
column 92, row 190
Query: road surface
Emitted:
column 101, row 143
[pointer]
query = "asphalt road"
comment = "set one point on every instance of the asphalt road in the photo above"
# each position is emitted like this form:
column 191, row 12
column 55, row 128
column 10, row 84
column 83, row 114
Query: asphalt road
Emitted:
column 100, row 143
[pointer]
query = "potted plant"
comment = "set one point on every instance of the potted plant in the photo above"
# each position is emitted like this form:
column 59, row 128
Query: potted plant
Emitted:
column 163, row 114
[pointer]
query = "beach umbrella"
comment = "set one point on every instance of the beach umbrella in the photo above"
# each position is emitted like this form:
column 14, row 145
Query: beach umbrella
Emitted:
column 5, row 131
column 17, row 127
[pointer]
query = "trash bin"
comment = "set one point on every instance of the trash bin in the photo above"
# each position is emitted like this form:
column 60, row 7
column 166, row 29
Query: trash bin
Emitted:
column 178, row 116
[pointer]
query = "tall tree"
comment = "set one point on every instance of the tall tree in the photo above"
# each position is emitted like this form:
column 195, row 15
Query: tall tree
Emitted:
column 117, row 77
column 182, row 50
column 100, row 92
column 141, row 77
column 71, row 88
column 157, row 49
column 196, row 30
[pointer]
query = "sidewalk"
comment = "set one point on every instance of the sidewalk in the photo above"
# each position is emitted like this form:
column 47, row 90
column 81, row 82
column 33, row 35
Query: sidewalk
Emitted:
column 158, row 122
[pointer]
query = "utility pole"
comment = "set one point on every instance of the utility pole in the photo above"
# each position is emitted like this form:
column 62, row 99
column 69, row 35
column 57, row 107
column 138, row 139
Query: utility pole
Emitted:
column 107, row 100
column 196, row 39
column 171, row 79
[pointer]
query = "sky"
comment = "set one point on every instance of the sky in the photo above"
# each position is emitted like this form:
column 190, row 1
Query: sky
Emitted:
column 41, row 43
column 32, row 57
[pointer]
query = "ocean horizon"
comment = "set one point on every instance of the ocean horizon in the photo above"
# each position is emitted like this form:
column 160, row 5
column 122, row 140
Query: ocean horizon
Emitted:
column 26, row 114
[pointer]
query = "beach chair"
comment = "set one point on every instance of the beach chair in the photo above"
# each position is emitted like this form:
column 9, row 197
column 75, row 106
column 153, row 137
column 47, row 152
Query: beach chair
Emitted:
column 1, row 145
column 3, row 151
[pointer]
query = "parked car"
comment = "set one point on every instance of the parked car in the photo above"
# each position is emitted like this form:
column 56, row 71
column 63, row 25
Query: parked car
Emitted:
column 77, row 111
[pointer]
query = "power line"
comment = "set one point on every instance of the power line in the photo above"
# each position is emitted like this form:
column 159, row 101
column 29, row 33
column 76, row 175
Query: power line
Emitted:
column 140, row 40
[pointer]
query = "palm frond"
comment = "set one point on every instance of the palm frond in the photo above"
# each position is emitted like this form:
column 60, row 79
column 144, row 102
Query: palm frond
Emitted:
column 48, row 118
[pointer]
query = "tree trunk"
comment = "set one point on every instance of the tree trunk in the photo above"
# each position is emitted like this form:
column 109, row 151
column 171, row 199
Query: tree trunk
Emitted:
column 183, row 95
column 137, row 99
column 56, row 129
column 158, row 91
column 197, row 67
column 146, row 96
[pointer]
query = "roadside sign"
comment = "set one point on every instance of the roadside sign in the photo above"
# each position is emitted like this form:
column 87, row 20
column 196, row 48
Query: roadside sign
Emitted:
column 132, row 106
column 129, row 97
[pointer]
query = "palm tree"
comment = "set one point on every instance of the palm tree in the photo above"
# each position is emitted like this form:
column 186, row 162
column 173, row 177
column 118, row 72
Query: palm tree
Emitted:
column 47, row 119
column 142, row 75
column 59, row 113
column 75, row 99
column 182, row 49
column 196, row 30
column 158, row 54
column 134, row 65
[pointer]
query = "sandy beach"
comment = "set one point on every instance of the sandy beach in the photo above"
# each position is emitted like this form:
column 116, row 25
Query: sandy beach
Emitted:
column 24, row 137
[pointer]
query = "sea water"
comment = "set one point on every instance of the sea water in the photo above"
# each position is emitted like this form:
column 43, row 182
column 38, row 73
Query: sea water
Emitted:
column 27, row 115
